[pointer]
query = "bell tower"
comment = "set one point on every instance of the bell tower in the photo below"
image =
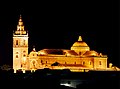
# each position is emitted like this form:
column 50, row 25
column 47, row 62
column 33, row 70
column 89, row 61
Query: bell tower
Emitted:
column 20, row 45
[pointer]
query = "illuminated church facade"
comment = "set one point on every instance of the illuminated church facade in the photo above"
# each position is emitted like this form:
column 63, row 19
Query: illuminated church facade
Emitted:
column 78, row 57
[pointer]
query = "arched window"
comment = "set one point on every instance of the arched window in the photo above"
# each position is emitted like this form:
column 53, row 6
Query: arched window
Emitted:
column 79, row 53
column 83, row 63
column 16, row 52
column 16, row 56
column 16, row 42
column 41, row 61
column 75, row 63
column 100, row 63
column 24, row 55
column 90, row 63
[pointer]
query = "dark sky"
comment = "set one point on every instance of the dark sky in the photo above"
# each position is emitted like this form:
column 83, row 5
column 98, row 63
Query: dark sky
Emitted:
column 58, row 25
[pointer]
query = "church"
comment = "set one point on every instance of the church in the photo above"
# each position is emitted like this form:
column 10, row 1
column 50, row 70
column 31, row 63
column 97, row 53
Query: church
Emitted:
column 77, row 58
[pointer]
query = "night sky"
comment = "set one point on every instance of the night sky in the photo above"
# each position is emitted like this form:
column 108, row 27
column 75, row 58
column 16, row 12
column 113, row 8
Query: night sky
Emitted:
column 58, row 25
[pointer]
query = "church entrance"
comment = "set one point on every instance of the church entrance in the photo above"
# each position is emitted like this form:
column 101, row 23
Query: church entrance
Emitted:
column 33, row 64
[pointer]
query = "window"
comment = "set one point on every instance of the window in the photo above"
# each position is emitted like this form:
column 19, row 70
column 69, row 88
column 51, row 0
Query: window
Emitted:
column 16, row 42
column 83, row 63
column 23, row 42
column 16, row 52
column 16, row 56
column 24, row 51
column 79, row 53
column 90, row 63
column 24, row 55
column 33, row 54
column 41, row 61
column 100, row 63
column 75, row 63
column 65, row 63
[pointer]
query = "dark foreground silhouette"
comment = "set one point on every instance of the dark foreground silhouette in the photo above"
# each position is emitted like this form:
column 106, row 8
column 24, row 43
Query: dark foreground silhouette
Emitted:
column 52, row 79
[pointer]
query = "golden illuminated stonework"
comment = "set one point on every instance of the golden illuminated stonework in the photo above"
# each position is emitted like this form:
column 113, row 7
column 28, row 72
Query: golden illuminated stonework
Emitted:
column 20, row 46
column 78, row 58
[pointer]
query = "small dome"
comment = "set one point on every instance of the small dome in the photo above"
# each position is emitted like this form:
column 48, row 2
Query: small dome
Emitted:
column 91, row 53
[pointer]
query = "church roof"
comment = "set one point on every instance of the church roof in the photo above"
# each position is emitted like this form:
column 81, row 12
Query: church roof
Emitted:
column 91, row 53
column 70, row 52
column 57, row 52
column 51, row 51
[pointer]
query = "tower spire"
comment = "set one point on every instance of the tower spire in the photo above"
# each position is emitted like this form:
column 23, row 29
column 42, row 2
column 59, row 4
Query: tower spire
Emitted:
column 20, row 19
column 20, row 27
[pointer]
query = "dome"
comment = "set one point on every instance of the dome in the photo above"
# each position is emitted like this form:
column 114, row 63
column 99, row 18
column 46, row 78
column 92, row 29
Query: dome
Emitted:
column 91, row 53
column 79, row 42
column 80, row 46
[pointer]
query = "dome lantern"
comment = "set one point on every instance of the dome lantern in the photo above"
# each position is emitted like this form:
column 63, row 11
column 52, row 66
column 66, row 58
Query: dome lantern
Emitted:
column 80, row 46
column 80, row 38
